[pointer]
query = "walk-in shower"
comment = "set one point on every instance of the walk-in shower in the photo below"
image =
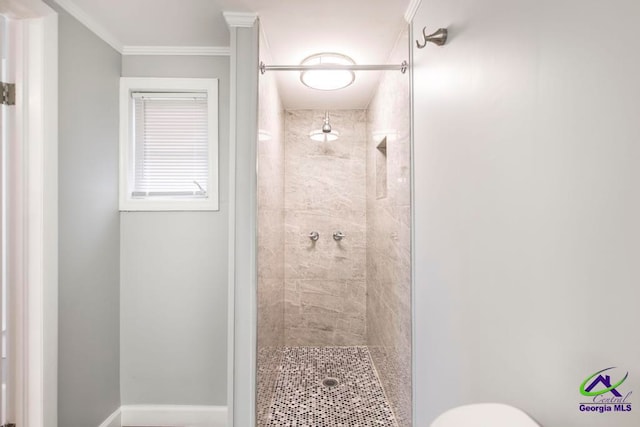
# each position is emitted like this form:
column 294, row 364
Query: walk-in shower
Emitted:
column 334, row 272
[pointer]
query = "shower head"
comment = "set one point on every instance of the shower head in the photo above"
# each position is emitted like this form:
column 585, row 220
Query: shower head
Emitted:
column 326, row 132
column 326, row 127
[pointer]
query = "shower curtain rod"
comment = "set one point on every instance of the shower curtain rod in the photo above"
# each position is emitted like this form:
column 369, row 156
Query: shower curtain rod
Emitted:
column 333, row 67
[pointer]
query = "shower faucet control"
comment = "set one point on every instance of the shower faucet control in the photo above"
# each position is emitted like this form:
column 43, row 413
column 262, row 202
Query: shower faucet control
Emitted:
column 337, row 236
column 314, row 236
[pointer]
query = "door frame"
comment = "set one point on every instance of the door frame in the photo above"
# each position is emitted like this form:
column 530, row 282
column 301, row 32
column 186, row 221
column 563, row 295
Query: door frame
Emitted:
column 35, row 214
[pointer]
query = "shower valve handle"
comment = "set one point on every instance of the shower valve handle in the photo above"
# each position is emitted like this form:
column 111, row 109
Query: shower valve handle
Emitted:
column 338, row 235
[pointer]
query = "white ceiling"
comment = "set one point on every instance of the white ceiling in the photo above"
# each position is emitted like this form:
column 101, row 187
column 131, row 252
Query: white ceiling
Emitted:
column 365, row 30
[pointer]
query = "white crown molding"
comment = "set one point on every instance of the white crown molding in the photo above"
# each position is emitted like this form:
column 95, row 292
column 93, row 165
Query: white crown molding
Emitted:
column 82, row 16
column 240, row 19
column 411, row 10
column 177, row 50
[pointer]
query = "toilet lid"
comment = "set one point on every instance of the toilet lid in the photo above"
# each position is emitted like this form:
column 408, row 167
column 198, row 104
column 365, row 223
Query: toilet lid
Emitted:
column 484, row 415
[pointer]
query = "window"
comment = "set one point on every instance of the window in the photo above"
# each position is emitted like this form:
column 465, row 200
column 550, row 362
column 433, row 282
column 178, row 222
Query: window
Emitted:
column 168, row 144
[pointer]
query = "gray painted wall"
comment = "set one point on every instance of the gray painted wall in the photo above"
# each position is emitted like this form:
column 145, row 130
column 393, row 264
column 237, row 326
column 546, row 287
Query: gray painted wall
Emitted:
column 89, row 342
column 527, row 206
column 174, row 276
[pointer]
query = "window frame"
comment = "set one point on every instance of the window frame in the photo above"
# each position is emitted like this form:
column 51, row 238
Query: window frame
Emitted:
column 127, row 155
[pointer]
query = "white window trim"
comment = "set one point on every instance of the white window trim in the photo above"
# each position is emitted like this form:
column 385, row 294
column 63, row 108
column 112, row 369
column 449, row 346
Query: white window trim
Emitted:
column 135, row 84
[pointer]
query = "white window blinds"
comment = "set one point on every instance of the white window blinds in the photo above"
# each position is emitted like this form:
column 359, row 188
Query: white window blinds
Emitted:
column 171, row 145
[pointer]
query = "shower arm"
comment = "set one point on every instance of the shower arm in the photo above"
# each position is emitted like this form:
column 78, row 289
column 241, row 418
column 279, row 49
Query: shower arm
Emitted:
column 334, row 67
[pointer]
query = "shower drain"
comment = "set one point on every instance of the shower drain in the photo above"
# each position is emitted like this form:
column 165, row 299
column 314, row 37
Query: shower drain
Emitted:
column 329, row 382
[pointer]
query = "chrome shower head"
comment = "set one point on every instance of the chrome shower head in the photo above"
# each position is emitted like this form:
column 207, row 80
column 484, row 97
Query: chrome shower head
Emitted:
column 326, row 127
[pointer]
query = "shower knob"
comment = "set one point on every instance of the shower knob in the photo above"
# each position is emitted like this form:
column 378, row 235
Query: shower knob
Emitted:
column 314, row 236
column 337, row 236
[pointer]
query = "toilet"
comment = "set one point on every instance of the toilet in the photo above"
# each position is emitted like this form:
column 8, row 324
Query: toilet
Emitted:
column 484, row 415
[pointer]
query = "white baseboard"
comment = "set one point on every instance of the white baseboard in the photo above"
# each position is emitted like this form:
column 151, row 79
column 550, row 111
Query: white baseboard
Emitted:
column 113, row 420
column 174, row 415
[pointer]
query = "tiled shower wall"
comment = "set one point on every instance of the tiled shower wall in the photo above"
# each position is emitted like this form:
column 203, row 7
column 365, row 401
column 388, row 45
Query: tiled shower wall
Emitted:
column 328, row 293
column 270, row 238
column 325, row 191
column 270, row 216
column 389, row 236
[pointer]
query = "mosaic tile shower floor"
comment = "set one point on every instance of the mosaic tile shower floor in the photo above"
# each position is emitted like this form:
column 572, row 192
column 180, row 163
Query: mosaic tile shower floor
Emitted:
column 301, row 400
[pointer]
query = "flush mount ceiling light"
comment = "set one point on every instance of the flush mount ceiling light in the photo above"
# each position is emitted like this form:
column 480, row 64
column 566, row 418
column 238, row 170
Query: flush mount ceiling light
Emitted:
column 325, row 134
column 327, row 79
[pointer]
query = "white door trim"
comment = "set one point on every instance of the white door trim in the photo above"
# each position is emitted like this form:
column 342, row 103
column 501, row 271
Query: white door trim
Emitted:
column 36, row 212
column 231, row 285
column 241, row 363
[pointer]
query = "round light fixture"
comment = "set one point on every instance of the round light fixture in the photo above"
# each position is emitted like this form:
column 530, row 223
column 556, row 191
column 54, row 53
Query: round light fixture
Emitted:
column 327, row 79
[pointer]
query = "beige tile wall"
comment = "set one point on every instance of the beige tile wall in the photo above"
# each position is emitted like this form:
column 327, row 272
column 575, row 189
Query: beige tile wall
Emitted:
column 388, row 237
column 270, row 216
column 325, row 281
column 270, row 239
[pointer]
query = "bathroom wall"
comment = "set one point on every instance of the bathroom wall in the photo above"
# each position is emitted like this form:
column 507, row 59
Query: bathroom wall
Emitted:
column 325, row 290
column 389, row 234
column 89, row 342
column 270, row 154
column 174, row 276
column 527, row 206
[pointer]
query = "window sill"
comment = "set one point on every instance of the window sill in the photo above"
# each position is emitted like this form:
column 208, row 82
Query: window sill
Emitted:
column 147, row 205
